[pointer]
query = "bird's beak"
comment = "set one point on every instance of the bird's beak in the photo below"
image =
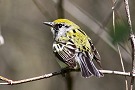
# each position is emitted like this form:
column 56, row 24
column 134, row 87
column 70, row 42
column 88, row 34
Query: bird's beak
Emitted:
column 51, row 24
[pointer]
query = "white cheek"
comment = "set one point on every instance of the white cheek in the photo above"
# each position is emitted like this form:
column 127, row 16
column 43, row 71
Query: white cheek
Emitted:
column 52, row 31
column 61, row 31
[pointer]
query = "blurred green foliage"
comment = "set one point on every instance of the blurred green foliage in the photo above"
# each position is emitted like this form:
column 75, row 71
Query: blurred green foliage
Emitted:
column 121, row 33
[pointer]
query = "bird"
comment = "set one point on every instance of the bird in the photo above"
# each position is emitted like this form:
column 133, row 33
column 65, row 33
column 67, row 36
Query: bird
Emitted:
column 73, row 47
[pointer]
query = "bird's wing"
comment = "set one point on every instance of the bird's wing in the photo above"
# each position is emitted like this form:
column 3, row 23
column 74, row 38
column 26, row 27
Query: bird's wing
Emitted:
column 87, row 66
column 66, row 53
column 95, row 53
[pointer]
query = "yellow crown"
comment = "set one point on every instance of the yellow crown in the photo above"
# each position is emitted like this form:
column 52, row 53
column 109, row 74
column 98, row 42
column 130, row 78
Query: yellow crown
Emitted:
column 66, row 21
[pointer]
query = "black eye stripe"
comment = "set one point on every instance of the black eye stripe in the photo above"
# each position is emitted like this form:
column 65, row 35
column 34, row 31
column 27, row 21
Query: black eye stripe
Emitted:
column 60, row 25
column 57, row 26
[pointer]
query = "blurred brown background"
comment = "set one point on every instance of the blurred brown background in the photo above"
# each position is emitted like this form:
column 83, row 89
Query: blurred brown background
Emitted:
column 27, row 51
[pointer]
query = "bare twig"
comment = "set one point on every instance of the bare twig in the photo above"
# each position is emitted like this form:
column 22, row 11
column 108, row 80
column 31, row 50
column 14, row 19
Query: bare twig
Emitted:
column 128, row 15
column 122, row 64
column 114, row 28
column 12, row 82
column 132, row 39
column 63, row 71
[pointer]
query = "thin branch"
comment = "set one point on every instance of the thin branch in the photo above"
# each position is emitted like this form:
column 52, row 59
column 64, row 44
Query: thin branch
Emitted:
column 121, row 60
column 132, row 39
column 63, row 71
column 122, row 64
column 128, row 15
column 12, row 82
column 114, row 28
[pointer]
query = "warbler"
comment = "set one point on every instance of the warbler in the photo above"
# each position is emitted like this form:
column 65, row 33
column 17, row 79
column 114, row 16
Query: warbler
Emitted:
column 73, row 47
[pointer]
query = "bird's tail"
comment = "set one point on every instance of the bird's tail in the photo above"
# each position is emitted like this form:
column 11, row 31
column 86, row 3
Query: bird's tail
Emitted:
column 87, row 67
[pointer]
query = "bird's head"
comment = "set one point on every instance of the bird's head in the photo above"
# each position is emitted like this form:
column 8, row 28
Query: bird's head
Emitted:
column 61, row 26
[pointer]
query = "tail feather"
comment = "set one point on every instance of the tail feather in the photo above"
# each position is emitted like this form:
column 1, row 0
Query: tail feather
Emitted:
column 88, row 68
column 85, row 72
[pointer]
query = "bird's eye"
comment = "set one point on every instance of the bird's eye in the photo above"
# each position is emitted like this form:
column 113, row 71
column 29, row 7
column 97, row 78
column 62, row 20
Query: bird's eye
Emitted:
column 57, row 26
column 60, row 25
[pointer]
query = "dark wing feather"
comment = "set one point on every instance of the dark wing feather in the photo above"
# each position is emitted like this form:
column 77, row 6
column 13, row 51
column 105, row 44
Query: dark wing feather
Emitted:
column 67, row 54
column 95, row 54
column 88, row 68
